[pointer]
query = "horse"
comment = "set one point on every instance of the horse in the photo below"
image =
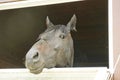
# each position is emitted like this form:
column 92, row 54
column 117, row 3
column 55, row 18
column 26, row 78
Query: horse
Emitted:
column 54, row 47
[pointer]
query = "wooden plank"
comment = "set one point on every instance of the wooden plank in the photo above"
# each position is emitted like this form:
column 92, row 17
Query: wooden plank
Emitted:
column 55, row 74
column 32, row 3
column 6, row 1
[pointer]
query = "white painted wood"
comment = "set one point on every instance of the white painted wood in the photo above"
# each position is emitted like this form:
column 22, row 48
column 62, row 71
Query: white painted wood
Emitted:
column 102, row 75
column 32, row 3
column 55, row 74
column 110, row 34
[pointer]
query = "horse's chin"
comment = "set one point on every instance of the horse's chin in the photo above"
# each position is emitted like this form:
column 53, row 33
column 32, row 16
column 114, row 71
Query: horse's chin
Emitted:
column 37, row 70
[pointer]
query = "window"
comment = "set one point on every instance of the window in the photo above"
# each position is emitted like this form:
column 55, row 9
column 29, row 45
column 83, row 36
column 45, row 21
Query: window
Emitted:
column 22, row 22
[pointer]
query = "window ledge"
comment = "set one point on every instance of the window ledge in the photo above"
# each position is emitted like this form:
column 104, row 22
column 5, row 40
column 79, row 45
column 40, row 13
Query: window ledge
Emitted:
column 99, row 73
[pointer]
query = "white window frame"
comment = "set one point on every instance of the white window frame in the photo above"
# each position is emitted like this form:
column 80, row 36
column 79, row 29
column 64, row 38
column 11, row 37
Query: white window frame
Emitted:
column 33, row 3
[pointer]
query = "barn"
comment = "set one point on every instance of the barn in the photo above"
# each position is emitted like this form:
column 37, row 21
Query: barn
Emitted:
column 96, row 42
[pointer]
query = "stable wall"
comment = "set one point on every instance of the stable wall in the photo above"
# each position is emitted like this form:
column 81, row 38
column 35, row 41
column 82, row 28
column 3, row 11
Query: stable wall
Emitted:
column 116, row 38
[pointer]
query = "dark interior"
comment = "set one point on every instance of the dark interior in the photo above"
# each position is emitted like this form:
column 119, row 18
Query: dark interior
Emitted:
column 19, row 29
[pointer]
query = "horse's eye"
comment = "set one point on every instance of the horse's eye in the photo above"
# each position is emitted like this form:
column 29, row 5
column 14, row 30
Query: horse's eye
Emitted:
column 62, row 36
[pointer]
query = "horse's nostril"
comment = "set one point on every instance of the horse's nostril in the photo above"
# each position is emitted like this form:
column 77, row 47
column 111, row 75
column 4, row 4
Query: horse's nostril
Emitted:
column 36, row 55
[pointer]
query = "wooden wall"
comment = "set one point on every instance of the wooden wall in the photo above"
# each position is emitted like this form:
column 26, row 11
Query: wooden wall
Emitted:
column 20, row 28
column 116, row 38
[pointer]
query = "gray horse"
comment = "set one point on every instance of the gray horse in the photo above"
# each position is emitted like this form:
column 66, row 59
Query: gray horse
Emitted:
column 53, row 49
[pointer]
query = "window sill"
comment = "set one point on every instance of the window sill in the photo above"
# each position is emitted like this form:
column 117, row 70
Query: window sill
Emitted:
column 92, row 73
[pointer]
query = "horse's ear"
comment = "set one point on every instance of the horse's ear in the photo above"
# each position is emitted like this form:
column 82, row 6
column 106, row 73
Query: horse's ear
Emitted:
column 72, row 23
column 49, row 23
